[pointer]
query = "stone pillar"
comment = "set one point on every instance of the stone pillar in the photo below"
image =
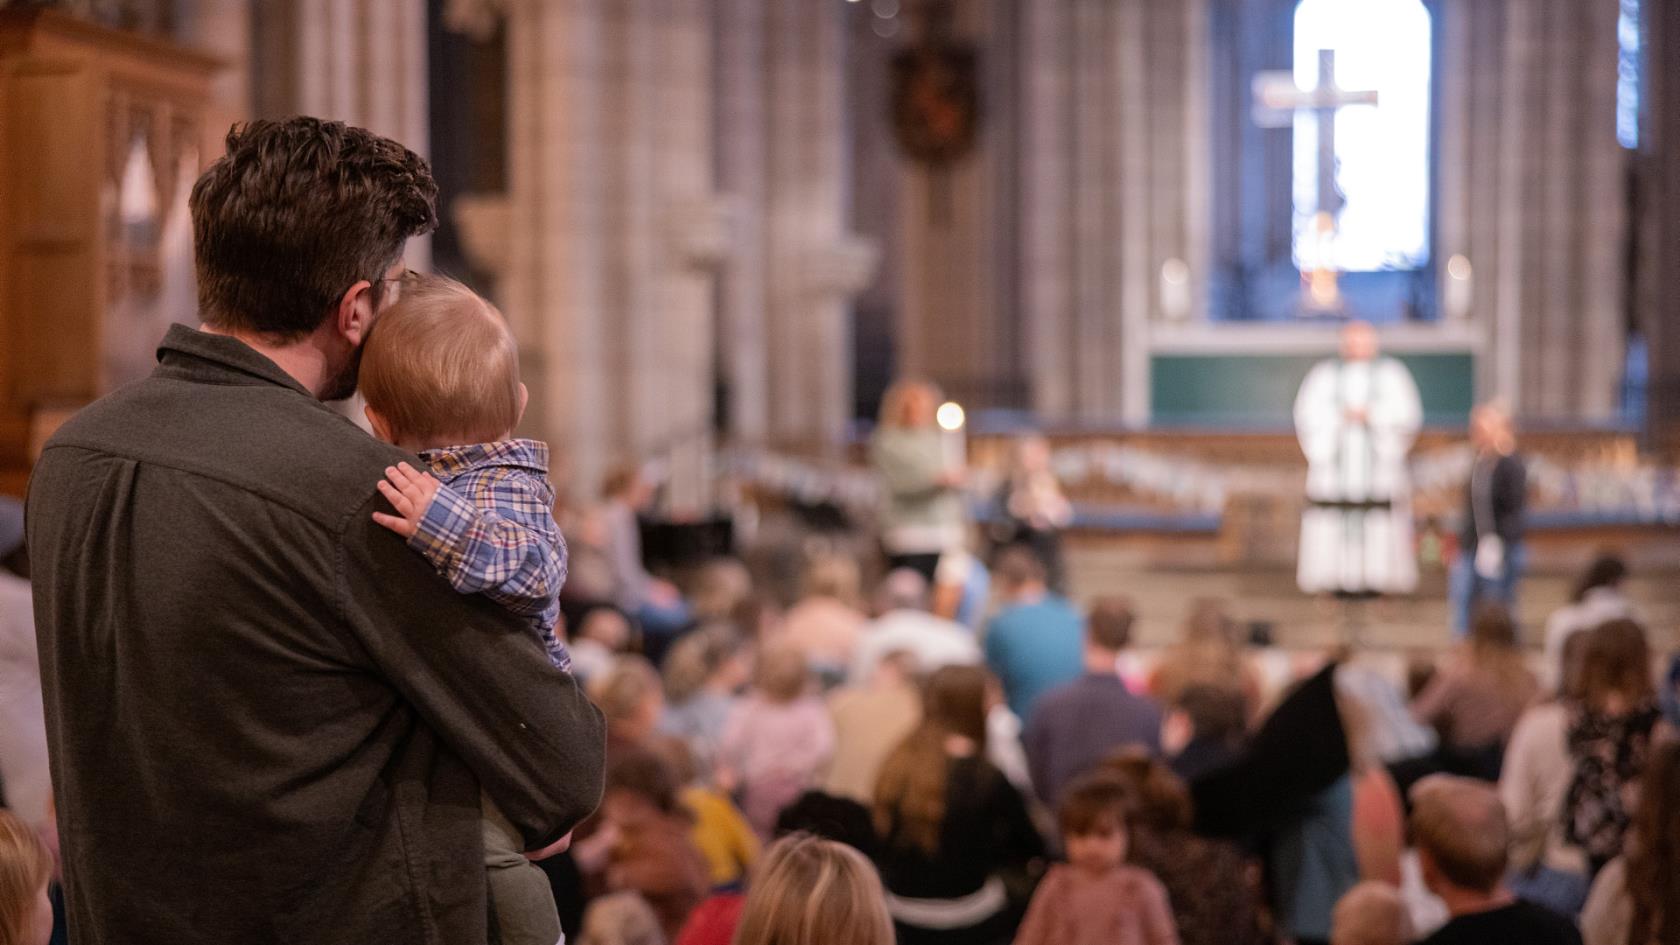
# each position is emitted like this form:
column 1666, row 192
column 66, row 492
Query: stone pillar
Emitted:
column 1531, row 193
column 357, row 61
column 609, row 232
column 1116, row 192
column 814, row 264
column 793, row 266
column 1659, row 180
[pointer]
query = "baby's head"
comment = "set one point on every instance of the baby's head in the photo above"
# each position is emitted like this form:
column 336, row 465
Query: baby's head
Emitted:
column 441, row 368
column 1094, row 815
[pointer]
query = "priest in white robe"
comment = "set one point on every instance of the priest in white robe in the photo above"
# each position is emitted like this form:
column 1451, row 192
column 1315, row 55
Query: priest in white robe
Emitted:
column 1356, row 417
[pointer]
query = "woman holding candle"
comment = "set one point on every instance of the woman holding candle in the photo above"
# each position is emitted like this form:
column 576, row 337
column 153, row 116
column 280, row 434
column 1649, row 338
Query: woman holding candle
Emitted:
column 922, row 469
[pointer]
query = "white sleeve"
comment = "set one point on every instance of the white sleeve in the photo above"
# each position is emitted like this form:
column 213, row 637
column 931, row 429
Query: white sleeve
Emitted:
column 1317, row 421
column 1398, row 412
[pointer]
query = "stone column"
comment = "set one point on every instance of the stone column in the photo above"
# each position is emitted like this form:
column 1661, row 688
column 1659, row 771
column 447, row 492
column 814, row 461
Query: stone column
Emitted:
column 357, row 61
column 1115, row 124
column 1659, row 150
column 814, row 265
column 793, row 266
column 1531, row 194
column 610, row 231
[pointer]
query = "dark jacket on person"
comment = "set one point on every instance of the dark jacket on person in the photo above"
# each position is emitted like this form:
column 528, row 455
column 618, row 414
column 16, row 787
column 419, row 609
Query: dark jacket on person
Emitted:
column 269, row 719
column 1506, row 495
column 1299, row 750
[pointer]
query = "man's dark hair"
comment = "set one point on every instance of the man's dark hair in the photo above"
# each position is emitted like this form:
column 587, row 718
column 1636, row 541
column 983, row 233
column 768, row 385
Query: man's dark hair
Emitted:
column 295, row 213
column 1017, row 565
column 1109, row 624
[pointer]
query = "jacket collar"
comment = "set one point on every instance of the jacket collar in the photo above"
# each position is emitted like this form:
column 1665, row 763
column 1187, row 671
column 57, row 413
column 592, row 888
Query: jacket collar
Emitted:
column 455, row 460
column 190, row 354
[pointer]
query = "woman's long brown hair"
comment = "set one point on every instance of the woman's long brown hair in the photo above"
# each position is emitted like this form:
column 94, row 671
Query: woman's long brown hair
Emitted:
column 1653, row 860
column 910, row 792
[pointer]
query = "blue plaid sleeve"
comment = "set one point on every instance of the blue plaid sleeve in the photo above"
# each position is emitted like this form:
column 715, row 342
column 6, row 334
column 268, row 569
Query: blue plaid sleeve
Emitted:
column 506, row 546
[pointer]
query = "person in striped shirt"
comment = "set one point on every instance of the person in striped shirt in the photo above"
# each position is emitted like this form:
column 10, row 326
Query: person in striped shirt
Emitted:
column 440, row 373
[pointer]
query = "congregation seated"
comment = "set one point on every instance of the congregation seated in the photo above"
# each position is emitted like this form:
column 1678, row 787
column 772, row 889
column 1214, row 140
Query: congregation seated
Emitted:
column 826, row 623
column 1371, row 913
column 903, row 623
column 655, row 603
column 1569, row 763
column 1212, row 888
column 1463, row 839
column 870, row 719
column 777, row 739
column 1204, row 730
column 1078, row 724
column 703, row 675
column 1598, row 597
column 1034, row 642
column 1474, row 700
column 1210, row 652
column 951, row 825
column 1636, row 897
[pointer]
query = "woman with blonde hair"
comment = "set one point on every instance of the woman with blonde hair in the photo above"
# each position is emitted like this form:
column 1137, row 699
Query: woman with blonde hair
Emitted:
column 924, row 516
column 952, row 826
column 810, row 891
column 26, row 869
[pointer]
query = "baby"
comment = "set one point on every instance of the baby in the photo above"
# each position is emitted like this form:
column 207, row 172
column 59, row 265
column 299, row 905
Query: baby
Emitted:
column 440, row 374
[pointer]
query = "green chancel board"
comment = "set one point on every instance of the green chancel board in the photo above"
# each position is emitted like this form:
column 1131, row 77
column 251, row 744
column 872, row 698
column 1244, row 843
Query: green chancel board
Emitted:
column 1258, row 390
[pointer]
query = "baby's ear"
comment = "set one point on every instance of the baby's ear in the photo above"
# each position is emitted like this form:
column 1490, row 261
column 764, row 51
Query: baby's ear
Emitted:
column 524, row 399
column 381, row 429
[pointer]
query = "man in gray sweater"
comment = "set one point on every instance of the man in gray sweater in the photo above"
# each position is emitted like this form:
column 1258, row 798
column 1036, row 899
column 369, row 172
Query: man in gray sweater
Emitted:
column 269, row 720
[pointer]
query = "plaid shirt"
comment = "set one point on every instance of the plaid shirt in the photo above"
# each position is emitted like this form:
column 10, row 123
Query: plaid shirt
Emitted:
column 490, row 530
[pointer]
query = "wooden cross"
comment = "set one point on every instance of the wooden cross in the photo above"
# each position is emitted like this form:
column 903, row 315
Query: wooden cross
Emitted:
column 1277, row 100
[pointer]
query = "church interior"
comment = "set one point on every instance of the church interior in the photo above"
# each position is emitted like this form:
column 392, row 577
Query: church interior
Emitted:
column 721, row 228
column 1103, row 245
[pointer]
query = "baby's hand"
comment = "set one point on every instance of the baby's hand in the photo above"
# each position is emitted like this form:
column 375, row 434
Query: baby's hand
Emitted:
column 410, row 493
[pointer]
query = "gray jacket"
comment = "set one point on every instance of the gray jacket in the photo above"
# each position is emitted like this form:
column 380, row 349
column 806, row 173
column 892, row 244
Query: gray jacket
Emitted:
column 268, row 718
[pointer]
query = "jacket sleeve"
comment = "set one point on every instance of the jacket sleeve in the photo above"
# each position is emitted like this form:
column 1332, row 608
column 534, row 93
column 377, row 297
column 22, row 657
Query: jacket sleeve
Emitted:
column 1511, row 497
column 476, row 674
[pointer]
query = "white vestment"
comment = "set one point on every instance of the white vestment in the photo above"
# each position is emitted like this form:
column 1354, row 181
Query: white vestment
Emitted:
column 1356, row 532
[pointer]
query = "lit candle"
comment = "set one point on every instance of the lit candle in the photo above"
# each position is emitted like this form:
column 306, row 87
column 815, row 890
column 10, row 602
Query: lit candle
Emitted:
column 951, row 419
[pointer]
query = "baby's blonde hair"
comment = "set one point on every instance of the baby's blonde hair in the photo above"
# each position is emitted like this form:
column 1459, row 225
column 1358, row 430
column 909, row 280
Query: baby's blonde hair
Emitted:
column 442, row 364
column 809, row 891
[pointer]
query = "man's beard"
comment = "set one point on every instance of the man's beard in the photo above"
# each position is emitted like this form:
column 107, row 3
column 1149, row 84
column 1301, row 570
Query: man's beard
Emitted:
column 343, row 384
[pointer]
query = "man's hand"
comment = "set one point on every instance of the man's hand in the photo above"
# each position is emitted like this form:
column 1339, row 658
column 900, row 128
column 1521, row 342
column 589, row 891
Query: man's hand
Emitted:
column 410, row 493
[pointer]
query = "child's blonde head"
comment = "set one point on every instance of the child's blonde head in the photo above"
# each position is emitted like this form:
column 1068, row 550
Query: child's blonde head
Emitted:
column 441, row 367
column 809, row 891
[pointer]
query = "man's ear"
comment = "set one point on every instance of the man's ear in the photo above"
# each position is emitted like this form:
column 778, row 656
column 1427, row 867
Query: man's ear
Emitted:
column 524, row 401
column 381, row 429
column 354, row 315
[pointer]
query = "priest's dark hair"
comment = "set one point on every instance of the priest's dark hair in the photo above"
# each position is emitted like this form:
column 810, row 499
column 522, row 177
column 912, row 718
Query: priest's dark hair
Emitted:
column 295, row 213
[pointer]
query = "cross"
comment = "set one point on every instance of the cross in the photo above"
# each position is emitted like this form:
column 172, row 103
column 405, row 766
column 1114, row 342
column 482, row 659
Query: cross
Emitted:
column 1277, row 99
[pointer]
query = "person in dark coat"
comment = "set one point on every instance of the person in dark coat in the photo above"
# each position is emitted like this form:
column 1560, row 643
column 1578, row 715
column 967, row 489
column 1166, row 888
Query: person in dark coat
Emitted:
column 271, row 721
column 1490, row 549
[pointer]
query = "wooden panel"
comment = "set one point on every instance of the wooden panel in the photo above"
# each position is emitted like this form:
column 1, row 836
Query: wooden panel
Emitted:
column 50, row 279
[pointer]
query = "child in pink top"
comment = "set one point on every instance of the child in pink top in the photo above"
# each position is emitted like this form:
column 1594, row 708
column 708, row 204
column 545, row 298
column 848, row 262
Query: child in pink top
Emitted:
column 776, row 740
column 1095, row 898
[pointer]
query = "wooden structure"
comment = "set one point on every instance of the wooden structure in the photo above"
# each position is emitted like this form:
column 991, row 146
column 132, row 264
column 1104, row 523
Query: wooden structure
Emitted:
column 101, row 135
